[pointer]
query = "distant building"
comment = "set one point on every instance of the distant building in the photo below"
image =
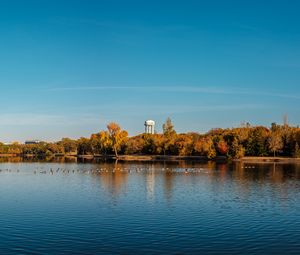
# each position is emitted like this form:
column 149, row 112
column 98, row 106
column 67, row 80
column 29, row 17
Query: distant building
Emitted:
column 149, row 126
column 32, row 142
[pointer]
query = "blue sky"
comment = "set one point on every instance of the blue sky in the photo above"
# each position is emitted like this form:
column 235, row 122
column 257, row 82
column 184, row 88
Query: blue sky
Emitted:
column 67, row 68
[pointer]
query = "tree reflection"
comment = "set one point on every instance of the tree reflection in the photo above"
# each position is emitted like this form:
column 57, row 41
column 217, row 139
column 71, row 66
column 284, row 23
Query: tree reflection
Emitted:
column 113, row 177
column 150, row 182
column 168, row 183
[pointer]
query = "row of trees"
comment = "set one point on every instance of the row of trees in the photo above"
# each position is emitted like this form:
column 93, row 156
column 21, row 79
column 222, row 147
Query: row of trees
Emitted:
column 281, row 140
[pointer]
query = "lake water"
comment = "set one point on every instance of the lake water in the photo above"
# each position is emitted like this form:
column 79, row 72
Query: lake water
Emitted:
column 149, row 208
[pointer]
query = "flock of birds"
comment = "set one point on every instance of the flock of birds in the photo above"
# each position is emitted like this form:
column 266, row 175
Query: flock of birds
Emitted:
column 248, row 167
column 41, row 170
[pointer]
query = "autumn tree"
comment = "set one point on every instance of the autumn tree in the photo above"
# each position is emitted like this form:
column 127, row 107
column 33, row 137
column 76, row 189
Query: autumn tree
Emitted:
column 169, row 135
column 156, row 143
column 101, row 142
column 257, row 142
column 105, row 141
column 183, row 145
column 222, row 147
column 117, row 136
column 54, row 148
column 236, row 150
column 205, row 147
column 135, row 145
column 297, row 151
column 168, row 127
column 95, row 143
column 68, row 144
column 275, row 142
column 84, row 146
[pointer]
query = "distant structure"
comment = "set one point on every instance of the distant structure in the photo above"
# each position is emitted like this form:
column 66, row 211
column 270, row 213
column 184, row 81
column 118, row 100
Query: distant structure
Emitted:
column 32, row 142
column 149, row 126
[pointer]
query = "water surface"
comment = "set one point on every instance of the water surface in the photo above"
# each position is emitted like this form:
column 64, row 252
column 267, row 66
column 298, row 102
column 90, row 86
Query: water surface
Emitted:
column 149, row 208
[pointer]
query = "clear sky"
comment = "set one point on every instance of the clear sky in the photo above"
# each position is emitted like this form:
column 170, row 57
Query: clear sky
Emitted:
column 67, row 68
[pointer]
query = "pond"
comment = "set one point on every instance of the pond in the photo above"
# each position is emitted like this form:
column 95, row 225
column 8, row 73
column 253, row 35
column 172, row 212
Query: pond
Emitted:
column 66, row 207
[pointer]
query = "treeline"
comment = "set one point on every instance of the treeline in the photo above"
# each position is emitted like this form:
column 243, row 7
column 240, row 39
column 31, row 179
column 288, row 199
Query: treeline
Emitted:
column 279, row 140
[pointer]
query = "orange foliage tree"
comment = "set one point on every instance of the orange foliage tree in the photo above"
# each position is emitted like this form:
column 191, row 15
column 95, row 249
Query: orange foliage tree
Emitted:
column 117, row 136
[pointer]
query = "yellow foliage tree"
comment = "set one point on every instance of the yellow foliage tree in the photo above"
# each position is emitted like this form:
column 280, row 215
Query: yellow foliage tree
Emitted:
column 117, row 136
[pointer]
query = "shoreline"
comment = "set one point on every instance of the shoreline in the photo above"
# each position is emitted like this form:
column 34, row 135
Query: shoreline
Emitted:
column 267, row 160
column 247, row 159
column 157, row 158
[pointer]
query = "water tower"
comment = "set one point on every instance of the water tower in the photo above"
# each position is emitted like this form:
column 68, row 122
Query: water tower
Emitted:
column 149, row 126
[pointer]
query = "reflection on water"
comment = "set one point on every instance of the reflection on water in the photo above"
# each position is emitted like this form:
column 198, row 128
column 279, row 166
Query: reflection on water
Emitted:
column 66, row 205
